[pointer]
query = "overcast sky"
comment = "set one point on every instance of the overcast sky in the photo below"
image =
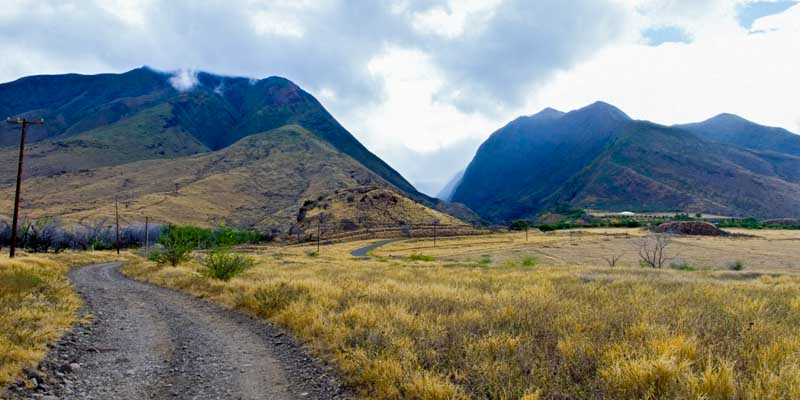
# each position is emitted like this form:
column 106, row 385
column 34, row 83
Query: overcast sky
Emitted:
column 423, row 82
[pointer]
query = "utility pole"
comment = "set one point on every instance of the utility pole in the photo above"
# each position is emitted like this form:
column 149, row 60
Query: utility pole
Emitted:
column 435, row 224
column 146, row 236
column 116, row 205
column 23, row 122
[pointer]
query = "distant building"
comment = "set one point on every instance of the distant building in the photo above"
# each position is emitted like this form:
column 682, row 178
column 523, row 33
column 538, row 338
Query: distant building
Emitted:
column 626, row 214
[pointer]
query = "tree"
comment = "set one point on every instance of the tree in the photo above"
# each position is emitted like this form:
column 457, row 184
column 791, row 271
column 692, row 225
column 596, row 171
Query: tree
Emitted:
column 652, row 250
column 519, row 225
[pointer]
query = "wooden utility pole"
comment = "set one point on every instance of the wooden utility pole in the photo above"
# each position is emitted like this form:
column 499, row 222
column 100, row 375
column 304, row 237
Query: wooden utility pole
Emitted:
column 146, row 236
column 23, row 122
column 116, row 205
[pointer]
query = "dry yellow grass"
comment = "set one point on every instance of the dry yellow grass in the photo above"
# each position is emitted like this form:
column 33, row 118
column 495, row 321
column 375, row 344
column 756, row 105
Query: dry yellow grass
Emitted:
column 37, row 305
column 457, row 327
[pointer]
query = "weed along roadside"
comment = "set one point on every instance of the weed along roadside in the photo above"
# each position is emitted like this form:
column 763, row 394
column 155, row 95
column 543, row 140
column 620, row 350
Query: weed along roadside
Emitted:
column 38, row 306
column 499, row 317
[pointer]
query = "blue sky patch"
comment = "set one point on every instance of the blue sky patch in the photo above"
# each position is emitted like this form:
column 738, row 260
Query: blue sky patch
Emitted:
column 655, row 36
column 749, row 12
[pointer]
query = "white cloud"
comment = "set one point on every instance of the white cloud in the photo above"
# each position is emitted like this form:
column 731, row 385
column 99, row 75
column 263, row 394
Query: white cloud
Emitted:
column 723, row 71
column 183, row 79
column 423, row 82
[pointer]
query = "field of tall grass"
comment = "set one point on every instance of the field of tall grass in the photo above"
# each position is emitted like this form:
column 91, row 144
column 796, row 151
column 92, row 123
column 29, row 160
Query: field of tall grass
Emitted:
column 433, row 328
column 37, row 305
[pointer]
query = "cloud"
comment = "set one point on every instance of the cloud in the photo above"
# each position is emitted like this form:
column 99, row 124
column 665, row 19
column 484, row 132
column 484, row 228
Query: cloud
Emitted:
column 419, row 78
column 723, row 70
column 184, row 79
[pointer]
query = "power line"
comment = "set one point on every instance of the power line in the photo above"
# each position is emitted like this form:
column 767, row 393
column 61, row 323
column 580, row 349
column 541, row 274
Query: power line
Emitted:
column 23, row 122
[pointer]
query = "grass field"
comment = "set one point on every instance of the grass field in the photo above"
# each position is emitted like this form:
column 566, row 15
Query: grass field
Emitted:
column 37, row 305
column 497, row 317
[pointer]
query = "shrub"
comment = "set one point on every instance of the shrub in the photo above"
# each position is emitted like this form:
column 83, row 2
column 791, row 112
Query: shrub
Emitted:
column 205, row 238
column 178, row 246
column 420, row 257
column 276, row 297
column 223, row 265
column 680, row 265
column 485, row 260
column 529, row 261
column 735, row 265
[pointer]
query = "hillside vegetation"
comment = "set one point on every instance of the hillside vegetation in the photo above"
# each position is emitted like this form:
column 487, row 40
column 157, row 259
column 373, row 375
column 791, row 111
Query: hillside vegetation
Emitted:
column 37, row 305
column 598, row 158
column 260, row 182
column 464, row 325
column 239, row 151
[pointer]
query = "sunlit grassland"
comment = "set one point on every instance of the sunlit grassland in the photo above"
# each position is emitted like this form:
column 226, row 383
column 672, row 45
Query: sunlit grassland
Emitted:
column 460, row 328
column 37, row 305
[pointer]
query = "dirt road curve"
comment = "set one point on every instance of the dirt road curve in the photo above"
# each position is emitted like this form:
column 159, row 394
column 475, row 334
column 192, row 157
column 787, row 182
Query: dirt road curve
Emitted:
column 363, row 252
column 153, row 343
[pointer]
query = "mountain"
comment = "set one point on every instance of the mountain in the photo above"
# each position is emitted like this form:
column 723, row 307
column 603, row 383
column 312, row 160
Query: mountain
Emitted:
column 597, row 157
column 91, row 111
column 142, row 131
column 735, row 130
column 447, row 191
column 242, row 185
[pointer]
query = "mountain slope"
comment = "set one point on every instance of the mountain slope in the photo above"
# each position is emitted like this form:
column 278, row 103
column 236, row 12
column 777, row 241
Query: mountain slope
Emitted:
column 517, row 164
column 447, row 191
column 597, row 157
column 260, row 182
column 216, row 112
column 735, row 130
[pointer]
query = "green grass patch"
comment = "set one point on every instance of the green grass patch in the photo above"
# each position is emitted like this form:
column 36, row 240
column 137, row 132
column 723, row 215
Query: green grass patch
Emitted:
column 420, row 257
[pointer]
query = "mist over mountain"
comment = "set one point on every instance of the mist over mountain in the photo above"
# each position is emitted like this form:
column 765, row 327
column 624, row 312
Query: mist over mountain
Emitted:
column 597, row 157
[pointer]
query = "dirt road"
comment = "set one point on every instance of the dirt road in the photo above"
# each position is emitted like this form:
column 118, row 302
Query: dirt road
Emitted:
column 148, row 342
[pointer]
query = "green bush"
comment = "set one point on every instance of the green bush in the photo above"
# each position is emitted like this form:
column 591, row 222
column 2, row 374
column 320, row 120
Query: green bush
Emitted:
column 485, row 260
column 223, row 265
column 205, row 238
column 736, row 265
column 529, row 261
column 178, row 246
column 681, row 265
column 420, row 257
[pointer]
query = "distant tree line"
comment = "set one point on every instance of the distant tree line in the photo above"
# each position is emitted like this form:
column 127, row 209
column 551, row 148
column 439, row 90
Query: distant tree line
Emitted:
column 48, row 234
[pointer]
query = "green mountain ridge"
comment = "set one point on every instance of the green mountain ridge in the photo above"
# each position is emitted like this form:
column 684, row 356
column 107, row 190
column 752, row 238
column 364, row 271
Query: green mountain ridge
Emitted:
column 597, row 157
column 108, row 120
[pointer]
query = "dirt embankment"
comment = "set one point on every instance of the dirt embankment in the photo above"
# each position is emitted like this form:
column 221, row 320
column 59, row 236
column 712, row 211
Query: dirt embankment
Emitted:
column 690, row 228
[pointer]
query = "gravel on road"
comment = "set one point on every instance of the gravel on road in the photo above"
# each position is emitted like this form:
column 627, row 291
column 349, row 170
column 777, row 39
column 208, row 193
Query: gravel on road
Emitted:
column 147, row 342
